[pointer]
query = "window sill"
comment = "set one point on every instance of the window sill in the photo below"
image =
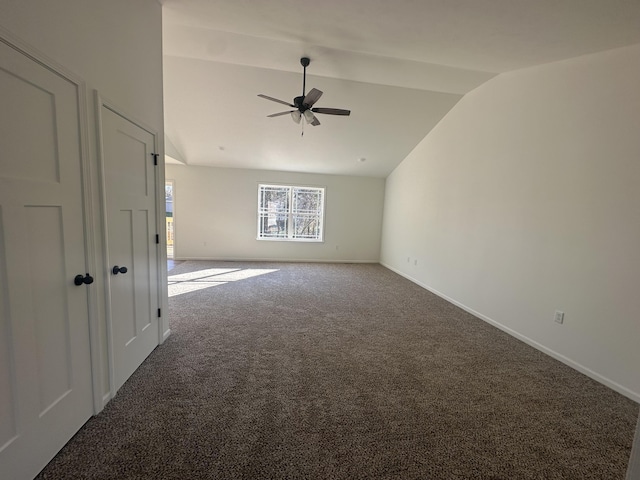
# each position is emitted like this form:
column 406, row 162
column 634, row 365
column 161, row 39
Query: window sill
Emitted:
column 293, row 240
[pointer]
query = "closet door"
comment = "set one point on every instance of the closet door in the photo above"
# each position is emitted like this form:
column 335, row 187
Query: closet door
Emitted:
column 45, row 364
column 129, row 173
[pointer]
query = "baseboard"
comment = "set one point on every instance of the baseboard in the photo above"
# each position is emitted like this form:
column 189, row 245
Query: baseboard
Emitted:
column 166, row 334
column 274, row 260
column 635, row 396
column 105, row 399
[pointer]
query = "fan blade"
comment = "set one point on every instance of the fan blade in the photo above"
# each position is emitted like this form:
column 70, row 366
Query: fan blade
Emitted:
column 276, row 100
column 312, row 97
column 331, row 111
column 281, row 113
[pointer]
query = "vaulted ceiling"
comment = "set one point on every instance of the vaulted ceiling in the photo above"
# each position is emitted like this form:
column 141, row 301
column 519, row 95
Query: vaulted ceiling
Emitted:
column 399, row 66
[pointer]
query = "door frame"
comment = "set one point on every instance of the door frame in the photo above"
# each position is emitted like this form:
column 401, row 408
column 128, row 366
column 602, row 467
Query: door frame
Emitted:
column 88, row 216
column 161, row 248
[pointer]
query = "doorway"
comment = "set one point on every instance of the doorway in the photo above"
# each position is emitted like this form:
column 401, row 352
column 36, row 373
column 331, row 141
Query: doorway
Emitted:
column 169, row 203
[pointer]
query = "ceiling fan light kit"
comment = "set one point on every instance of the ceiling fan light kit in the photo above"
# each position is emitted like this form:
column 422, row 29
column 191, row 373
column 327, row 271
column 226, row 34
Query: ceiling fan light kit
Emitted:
column 309, row 116
column 304, row 104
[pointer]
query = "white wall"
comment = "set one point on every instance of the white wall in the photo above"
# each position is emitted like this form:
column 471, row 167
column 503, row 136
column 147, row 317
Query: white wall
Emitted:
column 116, row 48
column 524, row 200
column 216, row 216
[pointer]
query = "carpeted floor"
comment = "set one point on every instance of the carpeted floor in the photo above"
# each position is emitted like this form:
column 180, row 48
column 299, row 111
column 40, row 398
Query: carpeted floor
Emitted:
column 339, row 371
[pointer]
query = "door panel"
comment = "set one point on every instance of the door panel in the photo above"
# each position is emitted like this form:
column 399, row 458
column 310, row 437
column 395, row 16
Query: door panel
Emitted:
column 49, row 308
column 33, row 108
column 123, row 310
column 145, row 271
column 45, row 370
column 129, row 176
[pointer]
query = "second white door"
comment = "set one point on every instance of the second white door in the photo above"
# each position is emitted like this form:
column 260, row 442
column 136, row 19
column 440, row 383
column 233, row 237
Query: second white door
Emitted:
column 130, row 191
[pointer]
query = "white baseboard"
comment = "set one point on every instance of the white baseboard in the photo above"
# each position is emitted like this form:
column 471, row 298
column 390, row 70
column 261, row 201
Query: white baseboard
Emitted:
column 105, row 399
column 166, row 334
column 274, row 260
column 635, row 396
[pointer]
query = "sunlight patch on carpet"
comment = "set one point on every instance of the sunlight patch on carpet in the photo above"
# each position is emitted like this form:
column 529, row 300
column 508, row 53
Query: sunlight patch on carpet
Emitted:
column 200, row 274
column 211, row 277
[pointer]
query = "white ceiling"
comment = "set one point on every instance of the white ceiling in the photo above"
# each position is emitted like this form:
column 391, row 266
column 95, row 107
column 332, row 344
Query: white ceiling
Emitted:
column 399, row 66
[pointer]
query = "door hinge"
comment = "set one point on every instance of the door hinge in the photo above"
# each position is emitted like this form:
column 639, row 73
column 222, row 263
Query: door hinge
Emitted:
column 157, row 238
column 159, row 312
column 155, row 158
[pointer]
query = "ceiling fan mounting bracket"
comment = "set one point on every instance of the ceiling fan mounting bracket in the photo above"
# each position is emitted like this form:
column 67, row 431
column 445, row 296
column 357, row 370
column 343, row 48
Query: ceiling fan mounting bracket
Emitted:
column 304, row 61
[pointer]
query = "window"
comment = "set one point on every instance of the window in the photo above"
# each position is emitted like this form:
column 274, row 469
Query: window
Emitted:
column 290, row 213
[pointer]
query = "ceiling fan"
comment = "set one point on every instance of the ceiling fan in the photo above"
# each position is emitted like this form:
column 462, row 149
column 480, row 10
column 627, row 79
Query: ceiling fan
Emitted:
column 303, row 104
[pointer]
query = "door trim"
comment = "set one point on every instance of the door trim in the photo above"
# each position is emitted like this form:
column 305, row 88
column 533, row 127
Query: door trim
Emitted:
column 161, row 248
column 86, row 175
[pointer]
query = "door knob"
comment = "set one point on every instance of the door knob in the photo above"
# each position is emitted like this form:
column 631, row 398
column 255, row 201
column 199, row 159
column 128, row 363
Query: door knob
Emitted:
column 80, row 279
column 116, row 270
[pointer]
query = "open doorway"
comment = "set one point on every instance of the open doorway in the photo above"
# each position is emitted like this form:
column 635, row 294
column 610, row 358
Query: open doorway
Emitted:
column 169, row 203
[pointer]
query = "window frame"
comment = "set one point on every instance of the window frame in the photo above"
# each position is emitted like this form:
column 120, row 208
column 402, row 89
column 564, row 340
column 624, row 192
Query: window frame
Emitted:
column 290, row 213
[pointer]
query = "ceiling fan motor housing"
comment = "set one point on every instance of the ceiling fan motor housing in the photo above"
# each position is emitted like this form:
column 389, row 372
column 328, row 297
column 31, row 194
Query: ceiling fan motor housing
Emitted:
column 298, row 103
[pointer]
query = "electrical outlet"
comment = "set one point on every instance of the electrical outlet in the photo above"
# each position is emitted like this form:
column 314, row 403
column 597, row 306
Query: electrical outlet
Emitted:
column 559, row 318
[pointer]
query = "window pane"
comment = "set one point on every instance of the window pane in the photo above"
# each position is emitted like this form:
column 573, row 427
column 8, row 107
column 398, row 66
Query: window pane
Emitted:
column 307, row 213
column 273, row 211
column 306, row 226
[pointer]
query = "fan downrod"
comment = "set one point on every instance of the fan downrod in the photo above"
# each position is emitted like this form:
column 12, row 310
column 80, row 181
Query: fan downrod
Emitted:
column 304, row 61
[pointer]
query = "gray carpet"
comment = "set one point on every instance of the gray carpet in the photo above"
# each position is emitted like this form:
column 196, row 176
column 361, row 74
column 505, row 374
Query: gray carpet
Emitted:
column 329, row 371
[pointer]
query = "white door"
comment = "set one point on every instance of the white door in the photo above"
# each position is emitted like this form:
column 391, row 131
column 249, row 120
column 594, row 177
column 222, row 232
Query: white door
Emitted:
column 45, row 364
column 130, row 190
